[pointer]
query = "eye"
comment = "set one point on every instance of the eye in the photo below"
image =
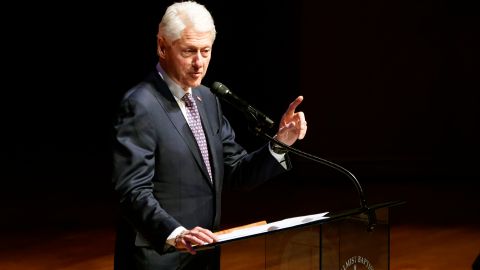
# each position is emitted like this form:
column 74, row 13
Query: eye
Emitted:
column 205, row 52
column 188, row 52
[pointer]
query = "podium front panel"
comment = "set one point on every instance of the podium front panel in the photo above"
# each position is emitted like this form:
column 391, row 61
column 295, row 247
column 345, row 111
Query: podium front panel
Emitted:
column 342, row 243
column 293, row 249
column 346, row 244
column 245, row 254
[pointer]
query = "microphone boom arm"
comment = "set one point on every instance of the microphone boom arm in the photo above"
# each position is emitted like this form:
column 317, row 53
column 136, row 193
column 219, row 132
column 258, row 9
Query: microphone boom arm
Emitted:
column 372, row 220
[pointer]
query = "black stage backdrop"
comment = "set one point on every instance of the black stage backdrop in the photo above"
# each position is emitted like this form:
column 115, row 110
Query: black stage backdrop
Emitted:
column 390, row 87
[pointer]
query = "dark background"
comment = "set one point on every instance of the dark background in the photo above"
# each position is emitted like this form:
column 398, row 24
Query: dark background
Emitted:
column 390, row 87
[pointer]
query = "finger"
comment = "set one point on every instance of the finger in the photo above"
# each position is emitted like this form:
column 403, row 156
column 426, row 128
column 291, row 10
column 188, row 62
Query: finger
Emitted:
column 202, row 238
column 189, row 242
column 203, row 235
column 303, row 131
column 190, row 249
column 185, row 242
column 211, row 236
column 302, row 126
column 299, row 119
column 207, row 232
column 294, row 105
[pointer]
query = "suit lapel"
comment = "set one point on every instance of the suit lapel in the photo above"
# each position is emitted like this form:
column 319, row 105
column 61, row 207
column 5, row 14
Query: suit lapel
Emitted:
column 169, row 104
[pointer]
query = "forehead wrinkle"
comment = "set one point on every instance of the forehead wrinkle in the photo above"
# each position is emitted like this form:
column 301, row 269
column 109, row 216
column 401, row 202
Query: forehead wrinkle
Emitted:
column 199, row 40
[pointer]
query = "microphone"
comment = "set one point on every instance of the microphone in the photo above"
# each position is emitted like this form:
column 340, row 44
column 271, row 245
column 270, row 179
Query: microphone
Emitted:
column 260, row 119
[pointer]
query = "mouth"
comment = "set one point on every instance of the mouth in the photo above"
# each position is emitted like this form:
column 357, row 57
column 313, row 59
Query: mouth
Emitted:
column 196, row 75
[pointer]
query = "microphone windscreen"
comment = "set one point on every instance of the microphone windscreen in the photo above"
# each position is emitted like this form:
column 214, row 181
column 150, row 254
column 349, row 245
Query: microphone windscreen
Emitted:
column 219, row 89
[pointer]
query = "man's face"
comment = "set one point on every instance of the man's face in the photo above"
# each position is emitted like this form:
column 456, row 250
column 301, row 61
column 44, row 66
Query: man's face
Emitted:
column 186, row 59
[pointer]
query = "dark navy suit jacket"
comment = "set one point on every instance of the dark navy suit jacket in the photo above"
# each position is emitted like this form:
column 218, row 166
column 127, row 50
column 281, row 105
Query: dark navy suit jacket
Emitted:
column 160, row 177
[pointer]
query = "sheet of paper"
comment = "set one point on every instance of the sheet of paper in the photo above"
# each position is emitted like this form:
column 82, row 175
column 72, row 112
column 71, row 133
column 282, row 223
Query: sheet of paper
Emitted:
column 285, row 223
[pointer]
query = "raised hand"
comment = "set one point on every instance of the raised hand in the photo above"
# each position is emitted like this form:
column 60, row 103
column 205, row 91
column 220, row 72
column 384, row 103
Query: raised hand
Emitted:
column 292, row 126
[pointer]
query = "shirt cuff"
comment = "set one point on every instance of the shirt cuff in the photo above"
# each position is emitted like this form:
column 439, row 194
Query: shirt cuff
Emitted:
column 174, row 234
column 279, row 157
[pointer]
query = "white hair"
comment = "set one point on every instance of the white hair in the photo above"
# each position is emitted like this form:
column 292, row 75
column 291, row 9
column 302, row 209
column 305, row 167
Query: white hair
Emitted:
column 180, row 15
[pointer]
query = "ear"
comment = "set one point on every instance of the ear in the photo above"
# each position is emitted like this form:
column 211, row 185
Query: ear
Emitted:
column 161, row 47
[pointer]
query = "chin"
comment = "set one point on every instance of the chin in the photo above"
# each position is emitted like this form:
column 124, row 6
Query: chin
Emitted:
column 195, row 83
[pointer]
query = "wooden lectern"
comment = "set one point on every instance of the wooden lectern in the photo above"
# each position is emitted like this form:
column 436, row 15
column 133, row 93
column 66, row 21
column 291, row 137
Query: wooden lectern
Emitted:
column 342, row 240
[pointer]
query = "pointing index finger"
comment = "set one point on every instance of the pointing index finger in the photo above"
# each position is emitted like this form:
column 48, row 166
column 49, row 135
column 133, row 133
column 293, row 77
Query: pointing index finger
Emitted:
column 294, row 105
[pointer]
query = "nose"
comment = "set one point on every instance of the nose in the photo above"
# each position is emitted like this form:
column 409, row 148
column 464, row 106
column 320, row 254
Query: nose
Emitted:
column 198, row 60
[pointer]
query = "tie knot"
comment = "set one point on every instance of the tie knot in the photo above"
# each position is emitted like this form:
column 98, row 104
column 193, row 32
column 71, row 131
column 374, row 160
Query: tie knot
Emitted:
column 188, row 99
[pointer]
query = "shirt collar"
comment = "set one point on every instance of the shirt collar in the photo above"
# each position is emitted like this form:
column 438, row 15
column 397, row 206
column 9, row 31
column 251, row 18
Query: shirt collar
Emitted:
column 176, row 90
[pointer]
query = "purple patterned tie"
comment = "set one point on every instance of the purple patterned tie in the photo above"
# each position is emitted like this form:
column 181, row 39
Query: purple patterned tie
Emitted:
column 193, row 120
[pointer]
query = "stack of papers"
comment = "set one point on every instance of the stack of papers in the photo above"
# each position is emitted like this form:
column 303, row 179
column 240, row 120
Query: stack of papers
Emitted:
column 281, row 224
